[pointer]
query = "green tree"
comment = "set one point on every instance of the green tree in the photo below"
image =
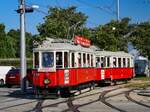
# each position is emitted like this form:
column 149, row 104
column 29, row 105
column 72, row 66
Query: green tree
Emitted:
column 3, row 41
column 140, row 38
column 14, row 36
column 111, row 36
column 6, row 44
column 62, row 23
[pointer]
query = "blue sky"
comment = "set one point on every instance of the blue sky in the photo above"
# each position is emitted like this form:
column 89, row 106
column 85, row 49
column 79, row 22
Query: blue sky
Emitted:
column 137, row 10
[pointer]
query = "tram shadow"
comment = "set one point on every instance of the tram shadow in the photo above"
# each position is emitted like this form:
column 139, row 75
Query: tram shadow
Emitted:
column 30, row 94
column 103, row 84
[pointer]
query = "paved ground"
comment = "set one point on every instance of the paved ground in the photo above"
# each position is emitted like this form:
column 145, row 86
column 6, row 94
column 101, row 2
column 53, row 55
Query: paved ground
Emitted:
column 101, row 99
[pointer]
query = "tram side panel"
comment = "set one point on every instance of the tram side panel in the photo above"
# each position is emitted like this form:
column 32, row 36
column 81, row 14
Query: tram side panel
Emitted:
column 39, row 78
column 127, row 73
column 74, row 77
column 66, row 77
column 121, row 73
column 107, row 73
column 103, row 75
column 85, row 75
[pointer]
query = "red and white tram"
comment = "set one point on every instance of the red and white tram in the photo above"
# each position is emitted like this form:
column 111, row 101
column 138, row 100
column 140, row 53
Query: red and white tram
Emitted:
column 114, row 66
column 62, row 65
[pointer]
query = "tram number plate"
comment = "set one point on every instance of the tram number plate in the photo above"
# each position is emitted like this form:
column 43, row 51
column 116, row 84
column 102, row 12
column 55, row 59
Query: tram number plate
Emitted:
column 66, row 76
column 102, row 74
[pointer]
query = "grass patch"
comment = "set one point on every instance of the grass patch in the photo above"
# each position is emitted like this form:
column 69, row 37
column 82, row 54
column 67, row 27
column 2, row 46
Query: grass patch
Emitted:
column 139, row 83
column 142, row 78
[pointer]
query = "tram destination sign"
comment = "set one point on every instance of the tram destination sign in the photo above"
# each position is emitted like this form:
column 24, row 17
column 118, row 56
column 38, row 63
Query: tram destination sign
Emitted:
column 82, row 41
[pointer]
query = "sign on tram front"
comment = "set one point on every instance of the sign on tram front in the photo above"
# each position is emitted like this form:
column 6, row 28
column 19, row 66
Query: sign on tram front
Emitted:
column 82, row 41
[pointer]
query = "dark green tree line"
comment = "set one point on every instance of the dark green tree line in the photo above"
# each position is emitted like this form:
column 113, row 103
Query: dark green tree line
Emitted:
column 10, row 43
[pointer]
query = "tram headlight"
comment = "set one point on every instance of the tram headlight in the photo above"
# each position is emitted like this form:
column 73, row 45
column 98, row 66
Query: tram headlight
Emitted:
column 46, row 81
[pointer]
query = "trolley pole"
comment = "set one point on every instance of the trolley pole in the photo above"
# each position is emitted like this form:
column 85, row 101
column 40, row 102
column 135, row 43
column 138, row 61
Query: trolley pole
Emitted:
column 22, row 46
column 118, row 10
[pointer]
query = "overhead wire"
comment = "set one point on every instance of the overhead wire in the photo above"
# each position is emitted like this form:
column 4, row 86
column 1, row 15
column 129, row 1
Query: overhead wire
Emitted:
column 47, row 7
column 96, row 7
column 109, row 7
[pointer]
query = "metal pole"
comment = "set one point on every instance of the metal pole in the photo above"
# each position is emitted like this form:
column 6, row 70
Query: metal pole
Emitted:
column 22, row 46
column 118, row 9
column 74, row 28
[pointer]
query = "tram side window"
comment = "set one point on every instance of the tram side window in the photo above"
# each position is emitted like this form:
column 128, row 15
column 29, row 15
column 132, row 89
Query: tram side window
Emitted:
column 119, row 62
column 47, row 59
column 114, row 62
column 79, row 60
column 73, row 60
column 124, row 62
column 91, row 60
column 66, row 62
column 108, row 61
column 102, row 62
column 84, row 60
column 88, row 60
column 128, row 62
column 59, row 60
column 98, row 63
column 36, row 60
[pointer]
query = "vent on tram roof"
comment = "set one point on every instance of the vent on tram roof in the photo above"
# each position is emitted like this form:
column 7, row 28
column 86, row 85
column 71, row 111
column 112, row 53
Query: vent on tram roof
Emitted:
column 100, row 49
column 61, row 41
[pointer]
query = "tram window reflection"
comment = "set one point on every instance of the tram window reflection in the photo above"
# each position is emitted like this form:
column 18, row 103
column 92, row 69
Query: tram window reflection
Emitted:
column 108, row 61
column 88, row 60
column 102, row 62
column 91, row 60
column 84, row 60
column 114, row 62
column 128, row 62
column 119, row 62
column 47, row 59
column 79, row 60
column 36, row 60
column 59, row 60
column 124, row 62
column 98, row 63
column 73, row 60
column 66, row 59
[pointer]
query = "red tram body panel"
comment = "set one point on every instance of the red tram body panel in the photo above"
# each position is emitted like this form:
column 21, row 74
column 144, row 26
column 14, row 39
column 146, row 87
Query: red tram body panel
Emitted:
column 65, row 78
column 121, row 73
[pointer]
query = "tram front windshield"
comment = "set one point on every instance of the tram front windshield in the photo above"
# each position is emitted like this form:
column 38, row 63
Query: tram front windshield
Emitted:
column 47, row 59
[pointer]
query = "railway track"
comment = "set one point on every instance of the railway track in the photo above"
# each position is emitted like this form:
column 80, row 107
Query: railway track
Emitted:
column 102, row 98
column 127, row 95
column 38, row 107
column 75, row 108
column 99, row 96
column 69, row 101
column 70, row 104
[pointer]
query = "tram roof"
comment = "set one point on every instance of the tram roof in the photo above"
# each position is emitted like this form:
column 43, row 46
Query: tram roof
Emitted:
column 62, row 44
column 116, row 54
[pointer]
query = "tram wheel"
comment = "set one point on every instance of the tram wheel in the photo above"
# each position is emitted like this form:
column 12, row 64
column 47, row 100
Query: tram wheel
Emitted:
column 113, row 82
column 65, row 92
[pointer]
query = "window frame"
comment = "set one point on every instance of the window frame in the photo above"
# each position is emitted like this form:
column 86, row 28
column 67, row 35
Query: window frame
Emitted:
column 42, row 59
